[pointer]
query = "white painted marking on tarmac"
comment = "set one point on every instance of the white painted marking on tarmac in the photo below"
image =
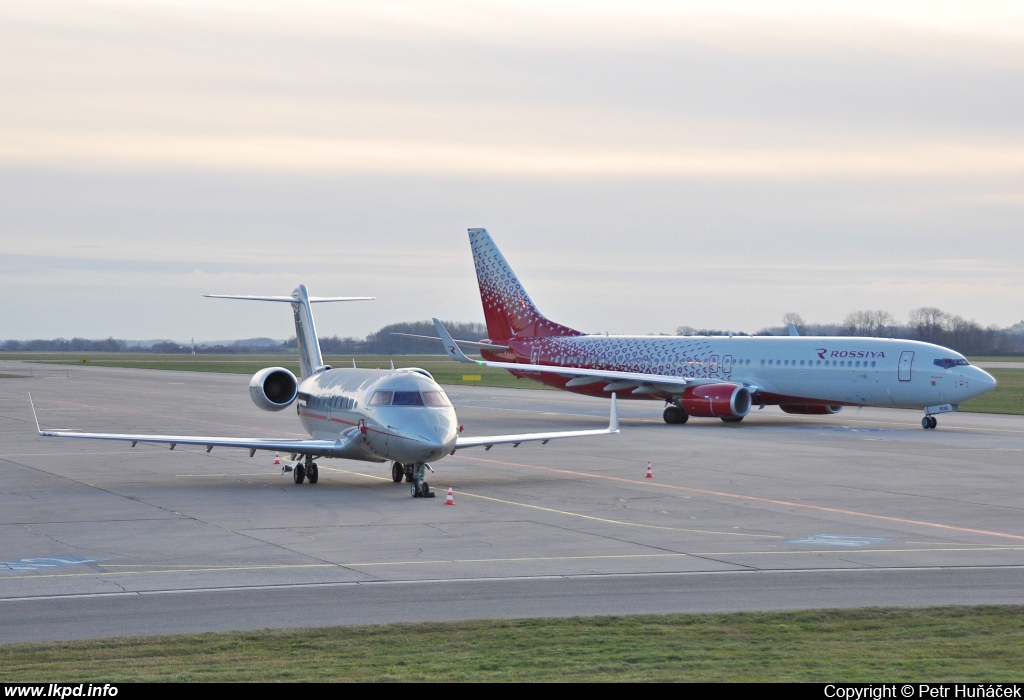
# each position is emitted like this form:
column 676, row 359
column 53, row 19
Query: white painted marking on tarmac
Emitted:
column 839, row 540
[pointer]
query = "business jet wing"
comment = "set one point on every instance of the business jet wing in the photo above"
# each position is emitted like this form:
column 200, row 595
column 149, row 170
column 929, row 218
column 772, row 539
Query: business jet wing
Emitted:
column 490, row 441
column 652, row 383
column 327, row 448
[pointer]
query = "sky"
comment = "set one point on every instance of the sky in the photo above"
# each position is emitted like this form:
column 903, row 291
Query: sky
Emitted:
column 642, row 165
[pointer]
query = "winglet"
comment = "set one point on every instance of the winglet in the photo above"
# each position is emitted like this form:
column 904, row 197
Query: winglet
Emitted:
column 793, row 330
column 33, row 405
column 613, row 419
column 450, row 346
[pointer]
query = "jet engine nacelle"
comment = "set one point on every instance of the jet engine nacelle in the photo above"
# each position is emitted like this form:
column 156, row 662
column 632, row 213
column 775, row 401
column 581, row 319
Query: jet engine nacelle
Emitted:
column 716, row 400
column 810, row 409
column 273, row 388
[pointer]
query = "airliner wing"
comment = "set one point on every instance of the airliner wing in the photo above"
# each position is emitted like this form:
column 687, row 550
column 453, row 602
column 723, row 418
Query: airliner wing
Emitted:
column 325, row 448
column 656, row 382
column 468, row 343
column 490, row 441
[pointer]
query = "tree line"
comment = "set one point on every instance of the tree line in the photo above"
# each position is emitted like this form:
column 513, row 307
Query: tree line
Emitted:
column 382, row 342
column 928, row 324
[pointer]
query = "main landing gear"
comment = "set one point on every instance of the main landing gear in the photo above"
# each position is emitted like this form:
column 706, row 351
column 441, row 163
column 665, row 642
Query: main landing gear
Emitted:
column 309, row 470
column 414, row 475
column 675, row 415
column 929, row 422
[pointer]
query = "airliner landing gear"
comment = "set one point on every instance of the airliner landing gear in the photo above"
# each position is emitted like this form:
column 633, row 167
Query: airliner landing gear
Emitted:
column 397, row 472
column 674, row 415
column 299, row 473
column 732, row 419
column 929, row 422
column 419, row 488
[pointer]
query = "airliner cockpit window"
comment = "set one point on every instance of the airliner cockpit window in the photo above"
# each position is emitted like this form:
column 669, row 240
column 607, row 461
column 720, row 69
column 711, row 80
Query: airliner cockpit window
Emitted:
column 407, row 398
column 948, row 362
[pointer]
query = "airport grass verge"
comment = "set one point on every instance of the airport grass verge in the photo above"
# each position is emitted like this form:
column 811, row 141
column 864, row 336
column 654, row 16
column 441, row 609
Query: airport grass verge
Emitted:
column 1007, row 397
column 966, row 644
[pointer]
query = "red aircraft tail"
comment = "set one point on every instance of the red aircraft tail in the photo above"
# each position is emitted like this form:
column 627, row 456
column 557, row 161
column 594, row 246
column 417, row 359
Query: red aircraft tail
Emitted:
column 508, row 309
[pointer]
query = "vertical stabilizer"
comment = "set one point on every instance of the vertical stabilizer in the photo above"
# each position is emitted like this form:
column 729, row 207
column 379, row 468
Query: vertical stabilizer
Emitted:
column 310, row 359
column 508, row 309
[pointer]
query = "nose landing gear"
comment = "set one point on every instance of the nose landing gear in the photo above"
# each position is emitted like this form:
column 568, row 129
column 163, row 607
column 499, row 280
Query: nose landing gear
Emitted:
column 414, row 474
column 929, row 422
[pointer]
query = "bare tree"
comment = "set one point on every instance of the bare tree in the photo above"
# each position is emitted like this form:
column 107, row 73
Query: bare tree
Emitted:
column 796, row 319
column 874, row 324
column 927, row 323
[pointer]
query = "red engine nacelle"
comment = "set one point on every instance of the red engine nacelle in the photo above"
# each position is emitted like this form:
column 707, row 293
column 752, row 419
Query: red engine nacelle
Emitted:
column 716, row 400
column 810, row 409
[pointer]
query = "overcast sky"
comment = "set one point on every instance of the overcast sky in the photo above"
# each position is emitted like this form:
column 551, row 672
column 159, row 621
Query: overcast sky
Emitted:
column 641, row 165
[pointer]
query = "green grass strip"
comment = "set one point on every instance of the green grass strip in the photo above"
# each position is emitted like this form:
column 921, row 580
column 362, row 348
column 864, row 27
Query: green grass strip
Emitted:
column 966, row 644
column 1008, row 396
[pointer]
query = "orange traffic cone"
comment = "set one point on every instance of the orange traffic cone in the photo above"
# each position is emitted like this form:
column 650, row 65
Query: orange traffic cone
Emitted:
column 650, row 472
column 450, row 501
column 277, row 458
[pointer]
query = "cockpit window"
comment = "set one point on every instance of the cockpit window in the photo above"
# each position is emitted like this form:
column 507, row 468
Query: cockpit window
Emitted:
column 382, row 398
column 948, row 362
column 436, row 398
column 407, row 398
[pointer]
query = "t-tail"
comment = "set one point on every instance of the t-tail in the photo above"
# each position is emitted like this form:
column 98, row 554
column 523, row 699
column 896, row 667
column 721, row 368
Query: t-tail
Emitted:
column 311, row 360
column 508, row 309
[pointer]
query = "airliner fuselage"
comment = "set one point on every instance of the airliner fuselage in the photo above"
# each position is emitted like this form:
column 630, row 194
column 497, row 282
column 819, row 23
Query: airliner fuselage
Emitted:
column 781, row 370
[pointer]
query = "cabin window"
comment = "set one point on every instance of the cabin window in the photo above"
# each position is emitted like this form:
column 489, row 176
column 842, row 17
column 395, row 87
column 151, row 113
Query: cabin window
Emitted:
column 407, row 398
column 382, row 398
column 436, row 398
column 872, row 363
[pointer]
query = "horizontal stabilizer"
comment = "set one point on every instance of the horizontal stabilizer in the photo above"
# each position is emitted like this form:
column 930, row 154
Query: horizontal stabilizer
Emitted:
column 290, row 300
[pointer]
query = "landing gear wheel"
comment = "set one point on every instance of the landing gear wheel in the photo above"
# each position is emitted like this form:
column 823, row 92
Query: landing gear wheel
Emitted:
column 414, row 490
column 313, row 473
column 674, row 415
column 299, row 473
column 732, row 419
column 934, row 421
column 929, row 422
column 397, row 472
column 425, row 491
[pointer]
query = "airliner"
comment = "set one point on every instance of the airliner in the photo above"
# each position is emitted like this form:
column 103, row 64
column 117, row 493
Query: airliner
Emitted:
column 711, row 376
column 371, row 415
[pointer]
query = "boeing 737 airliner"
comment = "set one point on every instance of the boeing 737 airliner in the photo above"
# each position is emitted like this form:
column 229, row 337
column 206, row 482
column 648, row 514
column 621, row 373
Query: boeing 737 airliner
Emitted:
column 711, row 376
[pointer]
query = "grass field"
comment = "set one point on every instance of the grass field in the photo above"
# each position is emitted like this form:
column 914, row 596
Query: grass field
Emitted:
column 1008, row 396
column 866, row 645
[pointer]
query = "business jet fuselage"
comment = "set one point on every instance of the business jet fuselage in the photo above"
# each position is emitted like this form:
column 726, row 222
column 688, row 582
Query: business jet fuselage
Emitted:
column 711, row 376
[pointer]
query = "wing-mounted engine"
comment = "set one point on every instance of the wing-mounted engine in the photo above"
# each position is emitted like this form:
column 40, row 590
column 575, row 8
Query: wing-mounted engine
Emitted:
column 716, row 400
column 273, row 388
column 810, row 409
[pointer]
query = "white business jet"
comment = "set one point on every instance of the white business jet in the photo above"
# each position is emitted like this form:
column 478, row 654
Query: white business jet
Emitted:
column 372, row 415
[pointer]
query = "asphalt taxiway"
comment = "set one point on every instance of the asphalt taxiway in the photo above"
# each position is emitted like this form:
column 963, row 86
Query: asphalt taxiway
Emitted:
column 777, row 512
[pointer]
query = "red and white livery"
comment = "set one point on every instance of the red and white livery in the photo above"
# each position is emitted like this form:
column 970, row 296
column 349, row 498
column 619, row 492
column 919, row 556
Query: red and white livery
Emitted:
column 711, row 376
